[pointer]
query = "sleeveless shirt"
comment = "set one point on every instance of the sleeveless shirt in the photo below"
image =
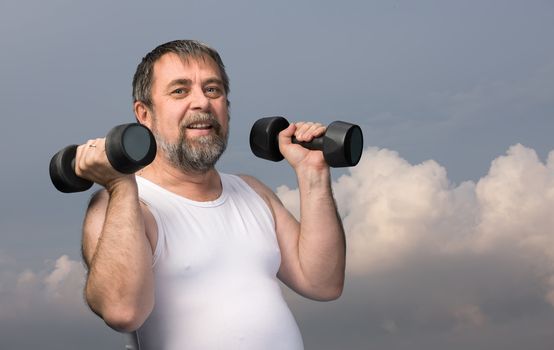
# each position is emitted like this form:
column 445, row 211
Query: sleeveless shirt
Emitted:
column 215, row 266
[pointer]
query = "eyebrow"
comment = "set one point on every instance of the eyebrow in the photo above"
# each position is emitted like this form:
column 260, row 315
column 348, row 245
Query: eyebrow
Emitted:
column 213, row 80
column 188, row 82
column 179, row 82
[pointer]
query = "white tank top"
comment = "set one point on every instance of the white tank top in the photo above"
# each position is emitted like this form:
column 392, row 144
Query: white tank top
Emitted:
column 215, row 266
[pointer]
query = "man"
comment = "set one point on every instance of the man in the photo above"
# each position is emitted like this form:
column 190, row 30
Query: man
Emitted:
column 188, row 257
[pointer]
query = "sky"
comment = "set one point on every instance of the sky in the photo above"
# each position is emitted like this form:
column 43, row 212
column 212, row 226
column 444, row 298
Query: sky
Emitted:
column 448, row 215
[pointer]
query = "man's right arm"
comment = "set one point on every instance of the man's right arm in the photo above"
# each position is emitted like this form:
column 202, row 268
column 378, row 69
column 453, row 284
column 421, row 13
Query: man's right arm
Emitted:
column 119, row 234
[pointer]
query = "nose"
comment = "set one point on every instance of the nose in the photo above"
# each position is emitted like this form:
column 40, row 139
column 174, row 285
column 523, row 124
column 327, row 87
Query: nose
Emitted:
column 199, row 101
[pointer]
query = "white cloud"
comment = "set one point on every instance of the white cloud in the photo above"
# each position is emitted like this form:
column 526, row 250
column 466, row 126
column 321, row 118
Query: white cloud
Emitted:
column 517, row 202
column 66, row 281
column 51, row 289
column 425, row 257
column 423, row 252
column 44, row 308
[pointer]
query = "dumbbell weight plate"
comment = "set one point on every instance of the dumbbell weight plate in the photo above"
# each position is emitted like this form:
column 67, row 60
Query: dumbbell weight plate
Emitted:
column 62, row 172
column 343, row 144
column 130, row 147
column 264, row 141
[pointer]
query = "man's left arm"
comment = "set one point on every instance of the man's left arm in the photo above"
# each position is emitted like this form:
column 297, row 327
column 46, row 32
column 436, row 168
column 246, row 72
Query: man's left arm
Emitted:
column 313, row 250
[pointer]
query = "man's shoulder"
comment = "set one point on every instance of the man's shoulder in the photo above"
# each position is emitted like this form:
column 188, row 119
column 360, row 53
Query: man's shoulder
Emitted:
column 253, row 182
column 262, row 189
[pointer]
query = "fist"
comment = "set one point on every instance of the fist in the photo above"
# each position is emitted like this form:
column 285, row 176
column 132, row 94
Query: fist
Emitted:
column 91, row 163
column 296, row 155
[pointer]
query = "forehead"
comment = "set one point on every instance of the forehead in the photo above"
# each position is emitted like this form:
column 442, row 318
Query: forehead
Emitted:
column 172, row 66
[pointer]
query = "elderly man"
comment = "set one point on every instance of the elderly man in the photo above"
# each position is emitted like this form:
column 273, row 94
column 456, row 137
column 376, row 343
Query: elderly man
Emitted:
column 187, row 257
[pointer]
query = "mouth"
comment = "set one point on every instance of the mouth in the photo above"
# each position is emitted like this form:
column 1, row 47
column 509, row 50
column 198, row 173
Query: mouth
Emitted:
column 201, row 129
column 200, row 126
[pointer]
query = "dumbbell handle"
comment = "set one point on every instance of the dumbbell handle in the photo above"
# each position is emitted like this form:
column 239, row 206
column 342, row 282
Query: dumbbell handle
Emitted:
column 316, row 144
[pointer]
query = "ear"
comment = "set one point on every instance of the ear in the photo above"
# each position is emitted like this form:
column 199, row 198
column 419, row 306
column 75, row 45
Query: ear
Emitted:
column 143, row 114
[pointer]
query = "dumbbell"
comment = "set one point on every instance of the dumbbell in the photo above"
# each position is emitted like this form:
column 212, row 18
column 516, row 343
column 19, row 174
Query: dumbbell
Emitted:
column 129, row 147
column 341, row 145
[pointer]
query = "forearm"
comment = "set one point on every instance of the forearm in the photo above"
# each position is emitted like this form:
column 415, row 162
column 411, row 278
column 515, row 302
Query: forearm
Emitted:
column 120, row 279
column 321, row 246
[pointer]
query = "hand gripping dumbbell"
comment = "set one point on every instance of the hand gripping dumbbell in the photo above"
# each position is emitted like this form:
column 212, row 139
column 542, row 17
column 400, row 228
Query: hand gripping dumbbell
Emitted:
column 129, row 147
column 341, row 145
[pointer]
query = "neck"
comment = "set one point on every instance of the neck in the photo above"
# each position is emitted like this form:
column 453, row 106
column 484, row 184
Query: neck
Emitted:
column 200, row 187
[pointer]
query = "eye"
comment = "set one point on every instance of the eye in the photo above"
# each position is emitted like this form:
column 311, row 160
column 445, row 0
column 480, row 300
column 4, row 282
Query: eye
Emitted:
column 180, row 91
column 213, row 91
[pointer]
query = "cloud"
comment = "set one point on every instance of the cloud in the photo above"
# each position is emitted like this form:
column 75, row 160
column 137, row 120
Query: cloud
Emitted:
column 65, row 280
column 57, row 287
column 44, row 308
column 430, row 263
column 430, row 257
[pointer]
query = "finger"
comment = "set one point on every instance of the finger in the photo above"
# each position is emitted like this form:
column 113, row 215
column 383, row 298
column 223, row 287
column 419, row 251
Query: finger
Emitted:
column 299, row 125
column 83, row 152
column 100, row 144
column 78, row 156
column 95, row 153
column 319, row 131
column 309, row 131
column 97, row 148
column 288, row 132
column 301, row 128
column 315, row 130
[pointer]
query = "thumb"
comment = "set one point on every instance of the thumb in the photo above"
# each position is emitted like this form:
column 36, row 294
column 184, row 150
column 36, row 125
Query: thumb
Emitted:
column 285, row 136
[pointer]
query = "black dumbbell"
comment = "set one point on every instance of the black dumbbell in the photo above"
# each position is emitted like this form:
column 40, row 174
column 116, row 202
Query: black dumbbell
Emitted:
column 341, row 145
column 129, row 147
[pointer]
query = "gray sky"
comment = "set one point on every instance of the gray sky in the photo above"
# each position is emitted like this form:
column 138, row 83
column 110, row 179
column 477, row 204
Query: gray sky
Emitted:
column 444, row 91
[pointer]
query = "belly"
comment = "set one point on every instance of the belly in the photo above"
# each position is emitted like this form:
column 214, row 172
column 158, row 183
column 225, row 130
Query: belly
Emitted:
column 221, row 302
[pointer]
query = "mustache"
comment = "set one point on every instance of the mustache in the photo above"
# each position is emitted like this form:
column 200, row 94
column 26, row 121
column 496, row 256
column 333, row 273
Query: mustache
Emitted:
column 201, row 118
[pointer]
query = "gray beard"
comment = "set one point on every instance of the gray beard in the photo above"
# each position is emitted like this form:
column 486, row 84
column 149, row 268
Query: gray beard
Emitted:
column 196, row 155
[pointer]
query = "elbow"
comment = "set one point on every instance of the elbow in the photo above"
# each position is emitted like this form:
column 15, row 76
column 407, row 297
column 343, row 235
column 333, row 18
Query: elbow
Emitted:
column 332, row 290
column 328, row 293
column 336, row 293
column 332, row 293
column 120, row 315
column 123, row 319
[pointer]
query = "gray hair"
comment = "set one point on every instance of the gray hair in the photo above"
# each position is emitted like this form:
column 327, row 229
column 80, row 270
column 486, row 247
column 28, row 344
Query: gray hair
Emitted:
column 142, row 80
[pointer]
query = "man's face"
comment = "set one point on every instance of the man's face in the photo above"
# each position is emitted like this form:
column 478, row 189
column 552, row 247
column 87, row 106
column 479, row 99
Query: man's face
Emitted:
column 190, row 112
